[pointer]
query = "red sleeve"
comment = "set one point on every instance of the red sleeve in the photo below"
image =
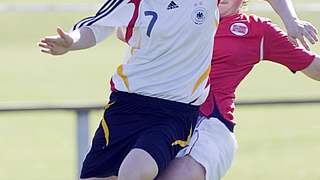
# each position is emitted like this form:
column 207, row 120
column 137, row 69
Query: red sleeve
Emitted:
column 277, row 48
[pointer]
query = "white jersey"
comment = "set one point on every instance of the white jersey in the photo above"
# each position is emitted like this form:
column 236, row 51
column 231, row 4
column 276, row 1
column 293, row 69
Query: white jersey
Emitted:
column 170, row 43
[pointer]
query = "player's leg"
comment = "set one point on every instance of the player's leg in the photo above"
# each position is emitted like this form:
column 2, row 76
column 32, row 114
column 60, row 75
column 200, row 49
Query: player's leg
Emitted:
column 112, row 141
column 169, row 127
column 138, row 165
column 103, row 160
column 212, row 136
column 183, row 167
column 137, row 137
column 155, row 148
column 152, row 152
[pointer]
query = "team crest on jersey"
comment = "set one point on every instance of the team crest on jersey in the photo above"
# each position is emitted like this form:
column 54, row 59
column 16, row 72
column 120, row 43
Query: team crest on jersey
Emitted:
column 239, row 29
column 199, row 15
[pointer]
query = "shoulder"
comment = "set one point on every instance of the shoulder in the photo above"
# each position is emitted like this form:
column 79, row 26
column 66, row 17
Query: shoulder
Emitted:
column 263, row 25
column 254, row 23
column 255, row 26
column 259, row 22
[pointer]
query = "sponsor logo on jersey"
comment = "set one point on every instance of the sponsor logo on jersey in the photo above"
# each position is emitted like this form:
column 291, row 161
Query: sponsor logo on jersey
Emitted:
column 239, row 29
column 199, row 15
column 172, row 5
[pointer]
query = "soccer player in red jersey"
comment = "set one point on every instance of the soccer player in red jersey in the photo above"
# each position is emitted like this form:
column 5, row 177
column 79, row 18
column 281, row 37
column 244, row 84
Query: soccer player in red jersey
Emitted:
column 241, row 42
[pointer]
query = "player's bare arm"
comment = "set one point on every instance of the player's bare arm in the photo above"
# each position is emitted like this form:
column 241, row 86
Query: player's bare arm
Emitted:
column 64, row 42
column 313, row 70
column 297, row 29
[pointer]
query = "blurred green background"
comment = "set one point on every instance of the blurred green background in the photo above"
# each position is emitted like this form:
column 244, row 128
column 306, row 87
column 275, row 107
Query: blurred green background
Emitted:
column 275, row 142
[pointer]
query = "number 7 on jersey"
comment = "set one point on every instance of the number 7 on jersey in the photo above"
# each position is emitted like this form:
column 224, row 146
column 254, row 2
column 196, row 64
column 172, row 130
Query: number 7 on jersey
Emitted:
column 152, row 21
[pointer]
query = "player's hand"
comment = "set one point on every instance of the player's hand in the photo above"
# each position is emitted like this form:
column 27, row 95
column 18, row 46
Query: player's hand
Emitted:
column 299, row 30
column 56, row 45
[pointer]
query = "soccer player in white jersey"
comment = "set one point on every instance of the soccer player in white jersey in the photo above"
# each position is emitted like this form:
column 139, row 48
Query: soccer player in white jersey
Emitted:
column 156, row 92
column 241, row 42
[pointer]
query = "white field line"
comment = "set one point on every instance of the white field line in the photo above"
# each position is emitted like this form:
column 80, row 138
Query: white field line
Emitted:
column 6, row 7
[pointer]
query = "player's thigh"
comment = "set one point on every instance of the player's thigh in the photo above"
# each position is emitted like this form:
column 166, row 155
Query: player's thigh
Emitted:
column 138, row 164
column 185, row 168
column 213, row 146
column 154, row 149
column 152, row 152
column 113, row 139
column 157, row 126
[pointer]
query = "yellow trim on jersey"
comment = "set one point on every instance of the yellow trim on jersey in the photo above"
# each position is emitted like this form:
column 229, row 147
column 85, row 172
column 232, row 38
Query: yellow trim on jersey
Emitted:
column 134, row 49
column 201, row 79
column 123, row 77
column 181, row 142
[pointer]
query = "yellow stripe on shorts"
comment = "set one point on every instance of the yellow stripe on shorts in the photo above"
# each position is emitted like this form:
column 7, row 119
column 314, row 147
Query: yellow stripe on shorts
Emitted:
column 105, row 130
column 181, row 142
column 105, row 125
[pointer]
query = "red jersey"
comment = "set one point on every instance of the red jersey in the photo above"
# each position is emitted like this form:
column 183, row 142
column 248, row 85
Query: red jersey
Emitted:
column 242, row 41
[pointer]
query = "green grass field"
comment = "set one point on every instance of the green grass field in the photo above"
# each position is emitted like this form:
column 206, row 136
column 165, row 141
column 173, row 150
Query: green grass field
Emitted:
column 275, row 142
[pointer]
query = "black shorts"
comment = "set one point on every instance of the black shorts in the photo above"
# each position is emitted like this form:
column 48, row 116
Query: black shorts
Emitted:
column 160, row 127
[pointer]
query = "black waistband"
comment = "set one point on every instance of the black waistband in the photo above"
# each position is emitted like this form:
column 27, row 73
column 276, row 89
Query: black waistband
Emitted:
column 137, row 98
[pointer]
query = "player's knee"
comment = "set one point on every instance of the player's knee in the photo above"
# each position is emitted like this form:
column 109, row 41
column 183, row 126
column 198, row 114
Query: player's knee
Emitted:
column 138, row 165
column 185, row 168
column 192, row 169
column 196, row 170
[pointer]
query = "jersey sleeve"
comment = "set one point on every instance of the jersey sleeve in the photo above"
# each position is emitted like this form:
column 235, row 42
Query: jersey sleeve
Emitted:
column 113, row 13
column 101, row 32
column 277, row 48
